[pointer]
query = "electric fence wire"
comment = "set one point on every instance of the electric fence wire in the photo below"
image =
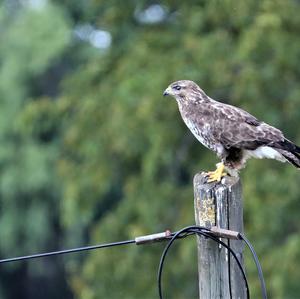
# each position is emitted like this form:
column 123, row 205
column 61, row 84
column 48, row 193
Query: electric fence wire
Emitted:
column 258, row 266
column 202, row 231
column 66, row 251
column 185, row 232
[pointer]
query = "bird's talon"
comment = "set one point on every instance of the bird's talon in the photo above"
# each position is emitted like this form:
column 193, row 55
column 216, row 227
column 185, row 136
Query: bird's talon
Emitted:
column 217, row 175
column 213, row 177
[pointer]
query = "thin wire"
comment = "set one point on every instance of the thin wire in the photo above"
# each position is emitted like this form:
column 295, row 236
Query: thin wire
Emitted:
column 229, row 264
column 235, row 257
column 185, row 232
column 162, row 259
column 66, row 251
column 73, row 250
column 200, row 231
column 258, row 266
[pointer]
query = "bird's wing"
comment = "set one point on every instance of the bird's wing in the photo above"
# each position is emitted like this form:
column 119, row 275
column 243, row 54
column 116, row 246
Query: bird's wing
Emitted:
column 234, row 127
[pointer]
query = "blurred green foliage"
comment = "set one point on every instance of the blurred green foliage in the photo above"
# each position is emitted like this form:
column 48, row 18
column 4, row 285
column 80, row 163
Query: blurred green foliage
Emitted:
column 91, row 152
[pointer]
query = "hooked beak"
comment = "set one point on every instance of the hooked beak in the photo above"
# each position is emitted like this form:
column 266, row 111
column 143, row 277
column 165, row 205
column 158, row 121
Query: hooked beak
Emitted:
column 166, row 92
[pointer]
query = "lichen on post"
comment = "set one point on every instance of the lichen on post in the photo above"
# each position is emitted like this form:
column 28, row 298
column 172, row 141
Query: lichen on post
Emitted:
column 219, row 204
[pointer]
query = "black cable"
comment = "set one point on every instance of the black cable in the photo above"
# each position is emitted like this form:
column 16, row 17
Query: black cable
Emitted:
column 163, row 256
column 200, row 231
column 77, row 249
column 229, row 264
column 235, row 257
column 258, row 266
column 185, row 232
column 27, row 257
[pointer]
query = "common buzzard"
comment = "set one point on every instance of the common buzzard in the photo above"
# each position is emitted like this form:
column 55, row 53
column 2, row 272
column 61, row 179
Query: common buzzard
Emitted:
column 232, row 133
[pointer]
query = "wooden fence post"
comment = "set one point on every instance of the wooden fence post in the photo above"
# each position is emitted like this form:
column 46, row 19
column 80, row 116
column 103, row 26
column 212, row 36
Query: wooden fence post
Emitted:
column 219, row 205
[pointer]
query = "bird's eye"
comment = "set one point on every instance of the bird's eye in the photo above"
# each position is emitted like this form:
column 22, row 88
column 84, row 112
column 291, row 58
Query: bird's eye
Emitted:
column 177, row 87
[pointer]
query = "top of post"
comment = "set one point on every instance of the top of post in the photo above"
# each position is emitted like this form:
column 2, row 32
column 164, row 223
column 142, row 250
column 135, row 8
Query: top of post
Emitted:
column 200, row 179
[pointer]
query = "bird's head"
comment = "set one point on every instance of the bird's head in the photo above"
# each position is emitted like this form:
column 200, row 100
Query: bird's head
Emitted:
column 185, row 91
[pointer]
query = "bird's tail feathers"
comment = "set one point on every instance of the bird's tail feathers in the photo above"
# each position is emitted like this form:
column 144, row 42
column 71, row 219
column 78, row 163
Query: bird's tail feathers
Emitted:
column 297, row 151
column 287, row 145
column 293, row 159
column 290, row 151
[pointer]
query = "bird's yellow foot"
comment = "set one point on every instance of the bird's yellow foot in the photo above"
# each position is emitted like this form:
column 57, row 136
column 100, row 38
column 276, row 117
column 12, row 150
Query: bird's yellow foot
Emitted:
column 216, row 176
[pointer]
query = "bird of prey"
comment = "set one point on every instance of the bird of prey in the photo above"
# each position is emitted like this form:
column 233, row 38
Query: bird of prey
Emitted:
column 232, row 133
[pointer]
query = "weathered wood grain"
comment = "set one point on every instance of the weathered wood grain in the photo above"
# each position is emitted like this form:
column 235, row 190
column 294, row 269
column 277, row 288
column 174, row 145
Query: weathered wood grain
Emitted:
column 219, row 204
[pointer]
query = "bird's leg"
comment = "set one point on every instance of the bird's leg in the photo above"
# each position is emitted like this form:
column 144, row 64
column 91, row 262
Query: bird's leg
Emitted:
column 216, row 176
